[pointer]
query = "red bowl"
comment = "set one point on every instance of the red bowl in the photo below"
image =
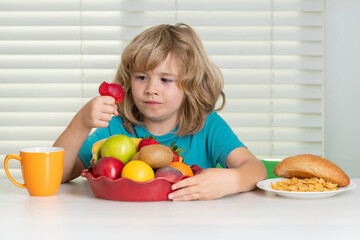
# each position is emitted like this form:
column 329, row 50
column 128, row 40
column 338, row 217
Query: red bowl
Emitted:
column 125, row 189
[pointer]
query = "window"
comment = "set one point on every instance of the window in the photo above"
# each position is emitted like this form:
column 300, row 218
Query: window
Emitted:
column 54, row 55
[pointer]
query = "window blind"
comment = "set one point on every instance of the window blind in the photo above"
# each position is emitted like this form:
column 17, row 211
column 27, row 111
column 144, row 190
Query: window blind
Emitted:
column 54, row 55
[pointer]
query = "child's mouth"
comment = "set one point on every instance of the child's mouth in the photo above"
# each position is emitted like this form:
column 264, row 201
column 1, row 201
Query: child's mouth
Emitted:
column 152, row 102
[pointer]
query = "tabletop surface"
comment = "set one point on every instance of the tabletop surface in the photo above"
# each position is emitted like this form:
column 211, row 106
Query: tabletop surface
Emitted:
column 74, row 212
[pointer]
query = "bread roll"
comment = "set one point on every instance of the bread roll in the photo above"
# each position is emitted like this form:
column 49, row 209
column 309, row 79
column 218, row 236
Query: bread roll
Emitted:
column 307, row 166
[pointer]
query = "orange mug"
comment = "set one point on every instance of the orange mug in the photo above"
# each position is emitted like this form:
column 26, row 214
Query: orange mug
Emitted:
column 41, row 167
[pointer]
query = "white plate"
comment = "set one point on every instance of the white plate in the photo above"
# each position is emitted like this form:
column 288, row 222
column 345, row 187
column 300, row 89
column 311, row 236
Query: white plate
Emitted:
column 266, row 185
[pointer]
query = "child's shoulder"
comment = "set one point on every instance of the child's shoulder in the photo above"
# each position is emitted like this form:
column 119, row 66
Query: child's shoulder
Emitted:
column 213, row 121
column 213, row 114
column 214, row 117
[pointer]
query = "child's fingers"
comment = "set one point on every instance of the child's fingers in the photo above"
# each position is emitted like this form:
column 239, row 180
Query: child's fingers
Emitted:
column 101, row 124
column 187, row 189
column 108, row 109
column 116, row 113
column 185, row 194
column 185, row 183
column 105, row 117
column 108, row 100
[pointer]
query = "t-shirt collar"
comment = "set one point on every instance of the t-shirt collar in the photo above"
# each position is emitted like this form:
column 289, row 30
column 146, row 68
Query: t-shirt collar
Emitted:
column 141, row 131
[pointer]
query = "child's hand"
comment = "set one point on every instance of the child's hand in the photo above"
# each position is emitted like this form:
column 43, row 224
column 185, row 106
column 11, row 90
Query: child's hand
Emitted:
column 211, row 183
column 98, row 112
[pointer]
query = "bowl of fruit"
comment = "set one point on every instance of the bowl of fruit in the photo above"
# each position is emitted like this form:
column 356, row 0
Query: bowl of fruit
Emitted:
column 133, row 169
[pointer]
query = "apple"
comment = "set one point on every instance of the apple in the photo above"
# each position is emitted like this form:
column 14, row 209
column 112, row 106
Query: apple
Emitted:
column 109, row 167
column 119, row 146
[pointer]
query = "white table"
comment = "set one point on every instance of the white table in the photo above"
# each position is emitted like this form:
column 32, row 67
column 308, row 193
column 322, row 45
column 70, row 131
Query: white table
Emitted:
column 75, row 213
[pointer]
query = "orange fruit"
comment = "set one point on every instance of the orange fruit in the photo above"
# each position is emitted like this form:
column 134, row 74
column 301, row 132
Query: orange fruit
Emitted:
column 182, row 167
column 138, row 171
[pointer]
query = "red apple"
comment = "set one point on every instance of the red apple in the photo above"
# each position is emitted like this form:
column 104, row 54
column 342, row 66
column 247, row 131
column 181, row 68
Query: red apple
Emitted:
column 109, row 167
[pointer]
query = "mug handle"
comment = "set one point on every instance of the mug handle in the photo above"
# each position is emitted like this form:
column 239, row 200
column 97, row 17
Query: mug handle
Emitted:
column 7, row 158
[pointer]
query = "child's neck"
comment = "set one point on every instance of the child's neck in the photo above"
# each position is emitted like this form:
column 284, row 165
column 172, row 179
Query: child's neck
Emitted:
column 159, row 128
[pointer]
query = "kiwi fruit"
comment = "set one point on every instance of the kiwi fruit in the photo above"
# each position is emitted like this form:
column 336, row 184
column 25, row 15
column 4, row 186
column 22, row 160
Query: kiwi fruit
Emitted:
column 156, row 155
column 135, row 157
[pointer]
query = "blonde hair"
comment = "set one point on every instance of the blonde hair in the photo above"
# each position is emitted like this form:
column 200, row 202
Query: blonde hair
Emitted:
column 201, row 80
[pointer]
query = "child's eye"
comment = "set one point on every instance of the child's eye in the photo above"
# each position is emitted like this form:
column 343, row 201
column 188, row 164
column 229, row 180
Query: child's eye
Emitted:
column 166, row 80
column 141, row 77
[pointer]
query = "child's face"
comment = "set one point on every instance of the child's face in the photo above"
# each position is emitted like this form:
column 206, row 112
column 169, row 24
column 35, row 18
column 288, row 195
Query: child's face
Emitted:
column 156, row 92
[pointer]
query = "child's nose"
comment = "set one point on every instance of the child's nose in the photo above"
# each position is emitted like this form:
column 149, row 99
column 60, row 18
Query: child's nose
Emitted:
column 152, row 88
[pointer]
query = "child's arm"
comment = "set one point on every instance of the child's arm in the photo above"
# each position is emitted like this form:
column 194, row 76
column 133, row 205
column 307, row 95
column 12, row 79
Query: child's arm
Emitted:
column 95, row 114
column 244, row 171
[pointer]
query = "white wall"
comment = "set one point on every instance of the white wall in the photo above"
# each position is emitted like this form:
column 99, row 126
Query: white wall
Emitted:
column 342, row 84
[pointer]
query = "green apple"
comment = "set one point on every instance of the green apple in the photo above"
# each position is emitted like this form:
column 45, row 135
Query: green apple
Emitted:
column 119, row 146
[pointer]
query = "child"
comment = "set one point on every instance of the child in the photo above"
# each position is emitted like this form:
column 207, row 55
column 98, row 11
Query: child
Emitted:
column 171, row 89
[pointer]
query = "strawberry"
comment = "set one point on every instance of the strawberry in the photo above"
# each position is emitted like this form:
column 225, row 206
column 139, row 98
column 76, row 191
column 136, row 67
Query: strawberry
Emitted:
column 196, row 169
column 176, row 158
column 112, row 89
column 176, row 151
column 147, row 141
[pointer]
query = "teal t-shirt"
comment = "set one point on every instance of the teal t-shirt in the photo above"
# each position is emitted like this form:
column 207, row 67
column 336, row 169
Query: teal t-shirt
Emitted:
column 211, row 145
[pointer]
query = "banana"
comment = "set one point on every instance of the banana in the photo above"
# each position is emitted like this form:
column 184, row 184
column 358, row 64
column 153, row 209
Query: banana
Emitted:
column 136, row 142
column 95, row 150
